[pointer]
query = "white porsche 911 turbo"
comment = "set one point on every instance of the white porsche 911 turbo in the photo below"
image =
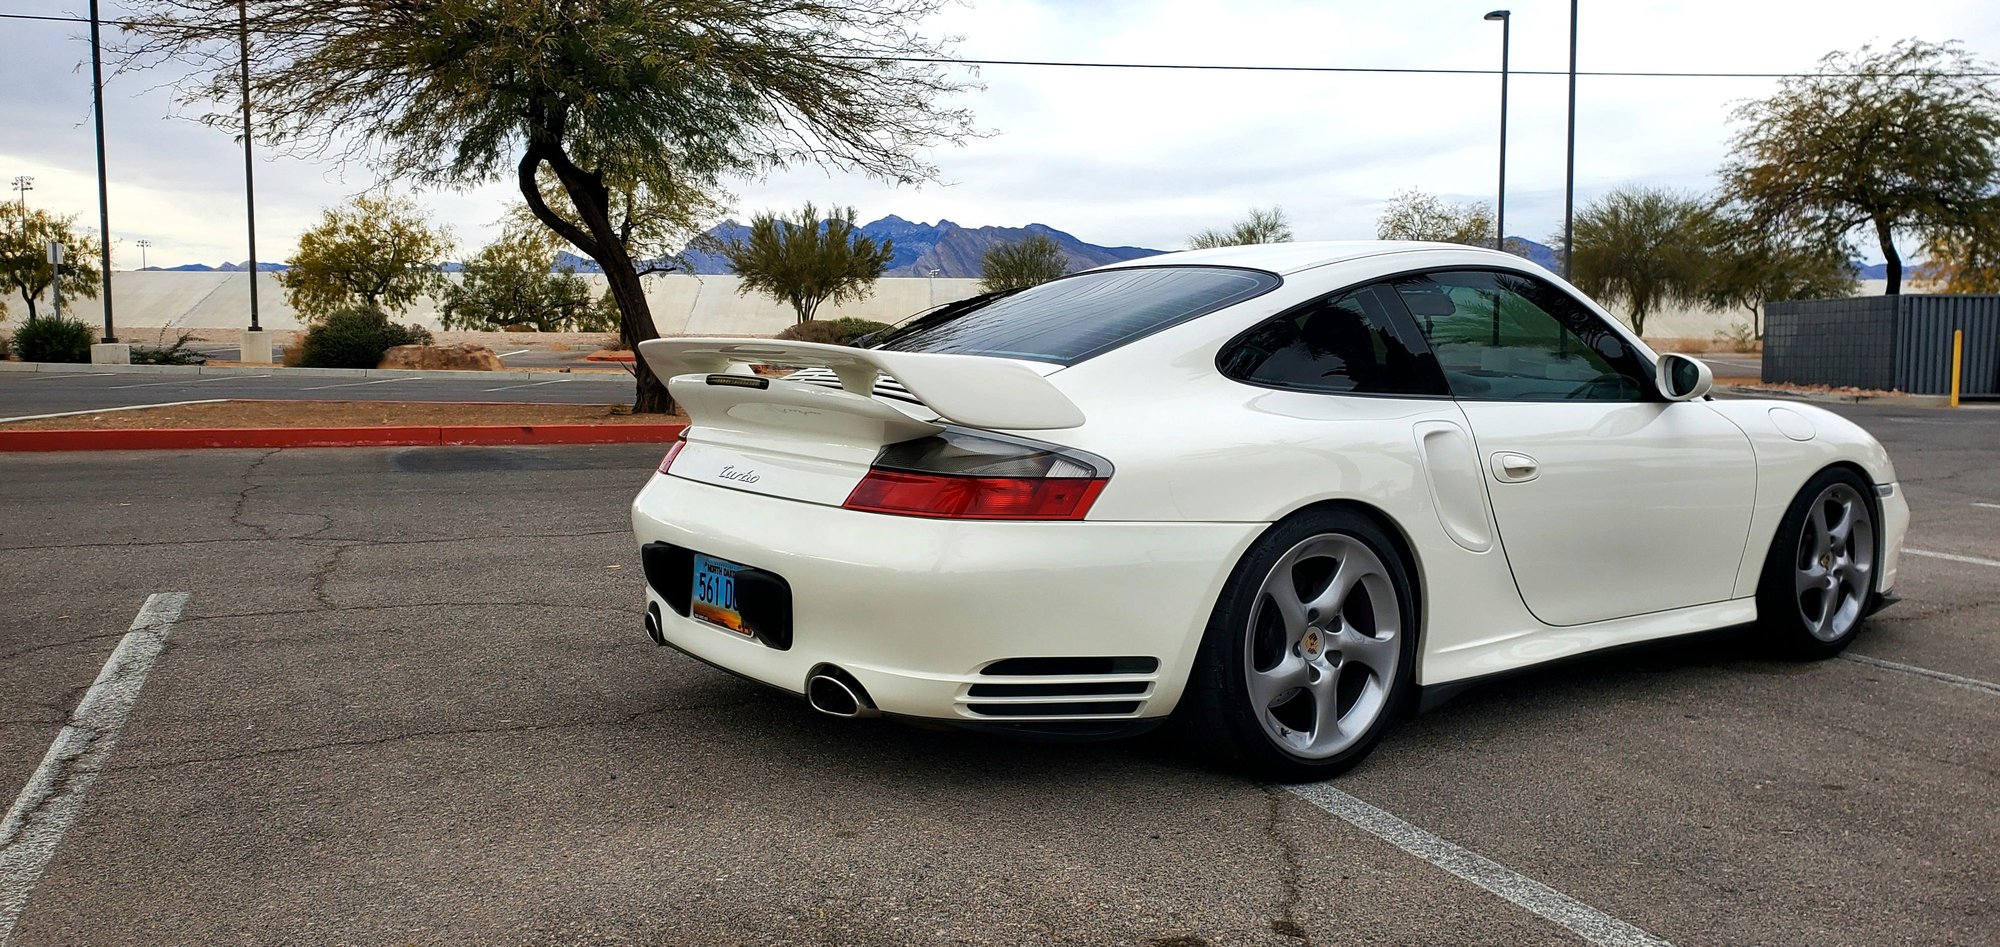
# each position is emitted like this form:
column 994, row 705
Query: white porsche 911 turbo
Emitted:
column 1286, row 492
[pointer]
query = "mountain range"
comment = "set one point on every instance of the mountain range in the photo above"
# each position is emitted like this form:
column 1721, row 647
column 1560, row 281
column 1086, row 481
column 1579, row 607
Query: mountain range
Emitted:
column 944, row 249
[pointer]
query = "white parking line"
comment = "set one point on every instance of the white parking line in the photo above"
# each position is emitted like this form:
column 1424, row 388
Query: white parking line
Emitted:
column 515, row 352
column 190, row 381
column 1539, row 899
column 49, row 803
column 128, row 407
column 1969, row 683
column 532, row 384
column 1953, row 557
column 68, row 375
column 357, row 384
column 1990, row 506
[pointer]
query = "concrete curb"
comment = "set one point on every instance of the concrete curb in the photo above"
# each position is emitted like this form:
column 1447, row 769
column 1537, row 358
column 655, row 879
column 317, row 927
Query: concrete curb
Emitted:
column 386, row 436
column 1908, row 401
column 280, row 370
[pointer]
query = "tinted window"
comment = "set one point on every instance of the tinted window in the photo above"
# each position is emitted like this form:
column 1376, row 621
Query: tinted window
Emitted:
column 1071, row 319
column 1511, row 337
column 1343, row 343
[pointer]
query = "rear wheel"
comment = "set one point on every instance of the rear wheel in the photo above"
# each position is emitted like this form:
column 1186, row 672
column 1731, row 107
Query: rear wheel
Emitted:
column 1820, row 573
column 1308, row 656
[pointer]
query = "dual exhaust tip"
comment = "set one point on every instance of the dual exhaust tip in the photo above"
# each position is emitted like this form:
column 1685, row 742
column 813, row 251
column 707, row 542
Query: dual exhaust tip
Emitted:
column 829, row 689
column 836, row 693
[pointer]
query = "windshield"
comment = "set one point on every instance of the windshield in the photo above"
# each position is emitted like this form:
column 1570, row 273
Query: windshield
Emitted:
column 1077, row 317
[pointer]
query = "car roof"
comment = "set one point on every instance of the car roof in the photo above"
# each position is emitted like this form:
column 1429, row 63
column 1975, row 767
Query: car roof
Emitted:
column 1286, row 258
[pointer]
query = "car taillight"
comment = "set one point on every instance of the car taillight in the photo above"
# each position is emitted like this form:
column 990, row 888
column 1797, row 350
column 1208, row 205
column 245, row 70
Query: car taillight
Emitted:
column 958, row 474
column 667, row 462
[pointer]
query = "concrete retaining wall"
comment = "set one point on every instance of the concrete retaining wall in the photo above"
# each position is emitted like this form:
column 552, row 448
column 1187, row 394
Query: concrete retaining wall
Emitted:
column 681, row 304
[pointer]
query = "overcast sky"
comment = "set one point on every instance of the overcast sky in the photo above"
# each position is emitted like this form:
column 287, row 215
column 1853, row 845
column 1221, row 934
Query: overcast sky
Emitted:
column 1139, row 157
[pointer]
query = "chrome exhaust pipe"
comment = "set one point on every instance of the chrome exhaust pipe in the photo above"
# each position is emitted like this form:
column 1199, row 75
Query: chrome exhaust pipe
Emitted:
column 653, row 629
column 835, row 697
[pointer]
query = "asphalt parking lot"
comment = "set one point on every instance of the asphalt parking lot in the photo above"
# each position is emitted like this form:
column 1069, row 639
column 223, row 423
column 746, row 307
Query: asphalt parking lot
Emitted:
column 31, row 393
column 407, row 700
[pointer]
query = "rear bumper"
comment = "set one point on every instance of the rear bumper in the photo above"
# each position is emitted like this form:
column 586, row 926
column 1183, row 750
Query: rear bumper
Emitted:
column 918, row 609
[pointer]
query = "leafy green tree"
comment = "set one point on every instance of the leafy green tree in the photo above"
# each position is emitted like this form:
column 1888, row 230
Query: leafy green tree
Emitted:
column 805, row 261
column 375, row 252
column 1963, row 259
column 511, row 285
column 1644, row 248
column 655, row 99
column 24, row 256
column 1260, row 226
column 1751, row 266
column 1028, row 262
column 1420, row 215
column 1877, row 141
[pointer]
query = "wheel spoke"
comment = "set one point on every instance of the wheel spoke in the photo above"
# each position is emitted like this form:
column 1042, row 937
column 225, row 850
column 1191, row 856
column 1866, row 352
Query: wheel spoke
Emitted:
column 1377, row 654
column 1291, row 610
column 1267, row 686
column 1821, row 538
column 1809, row 578
column 1837, row 535
column 1326, row 705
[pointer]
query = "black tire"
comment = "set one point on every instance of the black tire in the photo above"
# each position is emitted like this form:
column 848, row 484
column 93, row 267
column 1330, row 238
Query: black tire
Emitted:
column 1218, row 712
column 1789, row 623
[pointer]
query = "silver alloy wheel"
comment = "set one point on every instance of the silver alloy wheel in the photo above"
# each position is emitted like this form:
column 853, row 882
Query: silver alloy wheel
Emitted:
column 1323, row 645
column 1834, row 570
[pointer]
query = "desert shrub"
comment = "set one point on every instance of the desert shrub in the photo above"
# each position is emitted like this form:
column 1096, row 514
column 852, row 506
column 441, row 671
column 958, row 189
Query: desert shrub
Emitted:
column 356, row 338
column 54, row 340
column 176, row 354
column 1739, row 337
column 832, row 331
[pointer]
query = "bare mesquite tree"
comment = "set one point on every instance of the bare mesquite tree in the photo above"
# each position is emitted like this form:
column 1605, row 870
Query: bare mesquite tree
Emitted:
column 621, row 102
column 1259, row 226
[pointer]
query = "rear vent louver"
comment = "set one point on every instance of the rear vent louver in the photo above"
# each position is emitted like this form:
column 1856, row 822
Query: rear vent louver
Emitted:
column 1087, row 687
column 885, row 386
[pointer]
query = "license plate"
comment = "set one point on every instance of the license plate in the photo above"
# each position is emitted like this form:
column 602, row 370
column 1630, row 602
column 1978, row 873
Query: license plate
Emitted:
column 714, row 598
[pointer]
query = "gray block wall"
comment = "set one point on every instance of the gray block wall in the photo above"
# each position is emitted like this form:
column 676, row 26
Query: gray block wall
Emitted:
column 1839, row 342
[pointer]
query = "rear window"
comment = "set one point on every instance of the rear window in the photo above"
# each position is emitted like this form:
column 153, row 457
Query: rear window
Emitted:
column 1074, row 318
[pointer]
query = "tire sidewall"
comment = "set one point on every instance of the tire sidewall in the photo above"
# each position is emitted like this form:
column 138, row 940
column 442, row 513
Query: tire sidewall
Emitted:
column 1784, row 629
column 1220, row 675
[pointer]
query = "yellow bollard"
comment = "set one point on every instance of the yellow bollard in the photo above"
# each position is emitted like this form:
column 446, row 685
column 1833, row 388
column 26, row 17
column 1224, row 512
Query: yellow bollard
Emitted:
column 1957, row 359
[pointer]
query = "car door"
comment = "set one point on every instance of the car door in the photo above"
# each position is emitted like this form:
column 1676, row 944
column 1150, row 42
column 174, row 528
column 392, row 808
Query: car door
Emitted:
column 1610, row 501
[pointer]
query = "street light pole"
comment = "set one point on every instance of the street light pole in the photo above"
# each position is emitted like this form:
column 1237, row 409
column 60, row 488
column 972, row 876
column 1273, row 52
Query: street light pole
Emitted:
column 143, row 244
column 249, row 181
column 1506, row 19
column 103, row 187
column 1569, row 173
column 23, row 183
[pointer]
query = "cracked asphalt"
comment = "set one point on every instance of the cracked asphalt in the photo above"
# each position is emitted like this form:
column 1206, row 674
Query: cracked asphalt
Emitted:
column 410, row 702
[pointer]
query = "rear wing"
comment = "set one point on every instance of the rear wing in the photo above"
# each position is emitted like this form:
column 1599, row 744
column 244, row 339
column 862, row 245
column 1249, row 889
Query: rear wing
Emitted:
column 973, row 390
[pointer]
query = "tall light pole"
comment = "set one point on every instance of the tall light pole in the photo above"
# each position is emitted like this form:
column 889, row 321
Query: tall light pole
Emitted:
column 1506, row 19
column 1569, row 173
column 249, row 182
column 23, row 183
column 103, row 187
column 143, row 244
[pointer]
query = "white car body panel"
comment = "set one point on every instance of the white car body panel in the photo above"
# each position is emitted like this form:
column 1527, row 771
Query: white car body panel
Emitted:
column 1607, row 552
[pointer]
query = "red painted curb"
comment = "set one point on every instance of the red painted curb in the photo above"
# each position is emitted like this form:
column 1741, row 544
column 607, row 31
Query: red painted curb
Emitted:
column 418, row 436
column 613, row 357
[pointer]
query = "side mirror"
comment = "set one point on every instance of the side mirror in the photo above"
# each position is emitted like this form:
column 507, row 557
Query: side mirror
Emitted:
column 1682, row 378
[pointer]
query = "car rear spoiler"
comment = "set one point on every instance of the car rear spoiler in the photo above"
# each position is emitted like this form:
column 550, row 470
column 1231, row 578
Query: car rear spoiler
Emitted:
column 973, row 390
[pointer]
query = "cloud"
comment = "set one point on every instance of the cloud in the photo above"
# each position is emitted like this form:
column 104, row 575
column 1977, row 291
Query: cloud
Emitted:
column 1116, row 156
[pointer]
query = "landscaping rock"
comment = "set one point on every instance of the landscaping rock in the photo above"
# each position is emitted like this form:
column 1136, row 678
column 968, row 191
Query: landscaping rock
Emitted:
column 462, row 357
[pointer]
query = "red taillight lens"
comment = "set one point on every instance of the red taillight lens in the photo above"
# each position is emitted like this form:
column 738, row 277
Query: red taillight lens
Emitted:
column 667, row 462
column 974, row 498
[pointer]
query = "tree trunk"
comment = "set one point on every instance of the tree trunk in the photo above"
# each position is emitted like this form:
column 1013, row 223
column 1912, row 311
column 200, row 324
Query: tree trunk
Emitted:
column 1756, row 320
column 600, row 242
column 31, row 305
column 1894, row 269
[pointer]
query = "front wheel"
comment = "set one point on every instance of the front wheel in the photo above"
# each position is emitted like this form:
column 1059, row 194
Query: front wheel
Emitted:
column 1308, row 658
column 1820, row 573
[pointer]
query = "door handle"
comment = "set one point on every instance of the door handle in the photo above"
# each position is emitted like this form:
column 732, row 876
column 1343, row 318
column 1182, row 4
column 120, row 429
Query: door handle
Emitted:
column 1513, row 467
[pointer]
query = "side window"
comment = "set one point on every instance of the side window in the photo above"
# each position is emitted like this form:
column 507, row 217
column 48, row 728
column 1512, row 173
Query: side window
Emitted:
column 1342, row 343
column 1502, row 336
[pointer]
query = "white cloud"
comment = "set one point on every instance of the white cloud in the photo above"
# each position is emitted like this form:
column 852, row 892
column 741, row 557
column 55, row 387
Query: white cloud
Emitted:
column 1115, row 156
